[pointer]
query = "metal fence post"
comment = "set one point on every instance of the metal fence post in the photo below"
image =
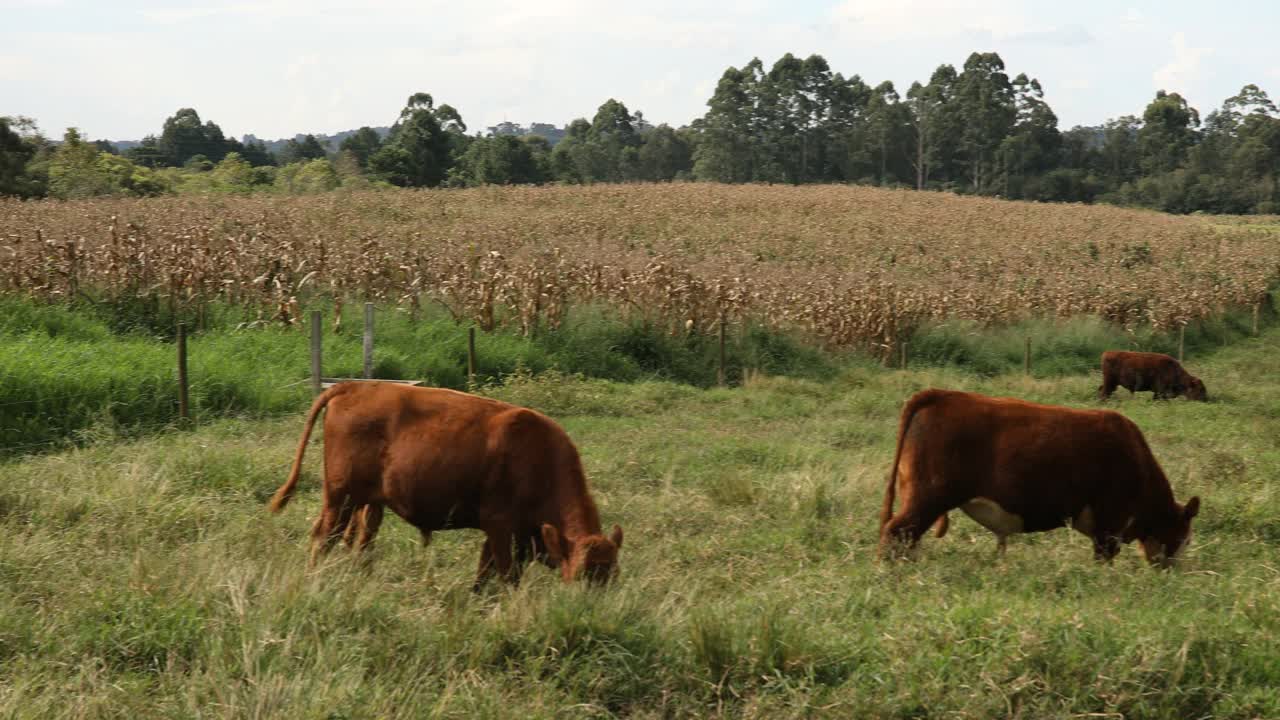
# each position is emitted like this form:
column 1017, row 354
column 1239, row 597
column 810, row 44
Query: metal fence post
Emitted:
column 184, row 405
column 368, row 340
column 315, row 351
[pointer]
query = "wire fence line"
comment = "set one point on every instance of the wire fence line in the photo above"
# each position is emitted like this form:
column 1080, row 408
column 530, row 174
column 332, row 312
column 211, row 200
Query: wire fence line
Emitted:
column 75, row 436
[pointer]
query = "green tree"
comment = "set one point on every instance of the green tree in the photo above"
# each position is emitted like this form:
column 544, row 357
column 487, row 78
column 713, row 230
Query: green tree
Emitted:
column 928, row 105
column 185, row 136
column 1168, row 132
column 616, row 141
column 234, row 174
column 1120, row 148
column 308, row 148
column 148, row 153
column 16, row 153
column 665, row 155
column 576, row 158
column 420, row 149
column 78, row 169
column 1034, row 144
column 307, row 177
column 887, row 127
column 74, row 171
column 986, row 100
column 725, row 150
column 254, row 152
column 362, row 145
column 498, row 160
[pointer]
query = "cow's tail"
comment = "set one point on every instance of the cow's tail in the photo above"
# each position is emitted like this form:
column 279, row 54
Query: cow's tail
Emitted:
column 281, row 498
column 914, row 404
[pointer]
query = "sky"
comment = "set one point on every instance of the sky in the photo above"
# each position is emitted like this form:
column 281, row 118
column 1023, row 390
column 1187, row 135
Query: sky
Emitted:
column 273, row 68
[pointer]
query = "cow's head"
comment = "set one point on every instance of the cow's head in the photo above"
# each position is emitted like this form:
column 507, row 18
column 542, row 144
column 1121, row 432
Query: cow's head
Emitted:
column 1195, row 390
column 1162, row 548
column 594, row 557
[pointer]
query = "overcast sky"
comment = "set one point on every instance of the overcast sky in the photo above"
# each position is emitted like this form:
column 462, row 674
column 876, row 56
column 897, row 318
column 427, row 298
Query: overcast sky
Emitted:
column 278, row 67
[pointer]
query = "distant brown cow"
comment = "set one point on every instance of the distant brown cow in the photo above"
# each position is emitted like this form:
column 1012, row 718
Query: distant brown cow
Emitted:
column 1140, row 371
column 442, row 459
column 1018, row 467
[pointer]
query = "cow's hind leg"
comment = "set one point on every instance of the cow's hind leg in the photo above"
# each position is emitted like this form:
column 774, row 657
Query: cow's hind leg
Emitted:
column 368, row 522
column 354, row 526
column 329, row 527
column 902, row 533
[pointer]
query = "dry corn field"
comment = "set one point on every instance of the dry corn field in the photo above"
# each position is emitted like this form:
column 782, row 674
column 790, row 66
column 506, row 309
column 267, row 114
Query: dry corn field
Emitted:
column 849, row 266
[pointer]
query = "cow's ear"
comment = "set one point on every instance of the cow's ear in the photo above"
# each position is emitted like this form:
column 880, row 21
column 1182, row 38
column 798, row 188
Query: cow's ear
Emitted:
column 551, row 538
column 1193, row 507
column 616, row 537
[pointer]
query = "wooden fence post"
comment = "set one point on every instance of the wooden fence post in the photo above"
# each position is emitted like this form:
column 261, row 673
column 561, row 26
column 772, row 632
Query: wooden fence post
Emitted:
column 368, row 340
column 1182, row 339
column 315, row 351
column 471, row 356
column 184, row 406
column 1256, row 308
column 1026, row 357
column 904, row 354
column 720, row 370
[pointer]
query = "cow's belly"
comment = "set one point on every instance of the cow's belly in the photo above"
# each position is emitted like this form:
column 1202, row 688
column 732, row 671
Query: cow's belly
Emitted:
column 1002, row 521
column 990, row 515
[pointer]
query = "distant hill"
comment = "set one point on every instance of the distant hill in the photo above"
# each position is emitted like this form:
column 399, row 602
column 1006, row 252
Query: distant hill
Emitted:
column 330, row 142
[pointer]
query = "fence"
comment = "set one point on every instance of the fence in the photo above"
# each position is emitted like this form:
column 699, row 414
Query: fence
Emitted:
column 318, row 381
column 902, row 355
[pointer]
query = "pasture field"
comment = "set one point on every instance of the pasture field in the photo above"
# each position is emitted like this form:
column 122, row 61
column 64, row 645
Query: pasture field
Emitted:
column 145, row 578
column 848, row 266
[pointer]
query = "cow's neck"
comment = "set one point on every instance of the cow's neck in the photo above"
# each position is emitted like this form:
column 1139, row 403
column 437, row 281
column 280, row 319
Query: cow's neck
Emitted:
column 1161, row 511
column 578, row 518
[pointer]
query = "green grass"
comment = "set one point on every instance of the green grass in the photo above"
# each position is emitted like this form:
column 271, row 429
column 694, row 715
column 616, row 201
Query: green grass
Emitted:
column 71, row 374
column 1069, row 347
column 144, row 577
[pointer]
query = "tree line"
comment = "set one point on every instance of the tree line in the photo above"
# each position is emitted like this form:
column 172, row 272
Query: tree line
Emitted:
column 975, row 129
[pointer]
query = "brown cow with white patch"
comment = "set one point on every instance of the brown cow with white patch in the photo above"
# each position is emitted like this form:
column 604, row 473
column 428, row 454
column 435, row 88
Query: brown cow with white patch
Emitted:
column 442, row 459
column 1140, row 371
column 1016, row 467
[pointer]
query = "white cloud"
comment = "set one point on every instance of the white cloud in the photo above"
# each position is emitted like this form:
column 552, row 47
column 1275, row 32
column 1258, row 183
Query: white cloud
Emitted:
column 890, row 20
column 1132, row 16
column 13, row 67
column 175, row 15
column 1183, row 69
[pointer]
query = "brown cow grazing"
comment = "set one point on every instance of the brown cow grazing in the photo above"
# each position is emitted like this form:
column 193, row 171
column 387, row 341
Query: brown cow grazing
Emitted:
column 442, row 459
column 1018, row 467
column 1140, row 371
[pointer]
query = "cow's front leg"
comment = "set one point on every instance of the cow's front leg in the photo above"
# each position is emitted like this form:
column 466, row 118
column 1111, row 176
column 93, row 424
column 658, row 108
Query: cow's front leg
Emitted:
column 495, row 558
column 502, row 560
column 1105, row 547
column 486, row 565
